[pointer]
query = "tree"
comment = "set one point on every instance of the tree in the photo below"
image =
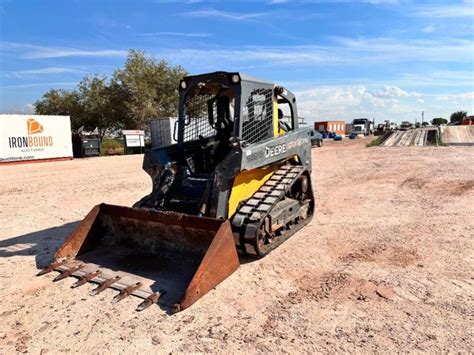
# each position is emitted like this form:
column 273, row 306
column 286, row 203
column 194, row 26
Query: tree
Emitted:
column 102, row 107
column 151, row 87
column 143, row 89
column 457, row 117
column 439, row 121
column 61, row 102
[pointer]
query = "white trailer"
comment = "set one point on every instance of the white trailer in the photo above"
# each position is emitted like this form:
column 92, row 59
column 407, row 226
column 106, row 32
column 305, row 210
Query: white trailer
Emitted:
column 34, row 137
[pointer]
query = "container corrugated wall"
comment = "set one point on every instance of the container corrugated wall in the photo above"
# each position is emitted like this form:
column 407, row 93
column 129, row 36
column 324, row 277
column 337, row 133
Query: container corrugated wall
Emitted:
column 162, row 132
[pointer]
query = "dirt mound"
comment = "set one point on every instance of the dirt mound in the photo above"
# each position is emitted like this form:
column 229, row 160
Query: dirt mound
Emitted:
column 382, row 253
column 413, row 183
column 449, row 188
column 340, row 286
column 461, row 188
column 453, row 188
column 333, row 287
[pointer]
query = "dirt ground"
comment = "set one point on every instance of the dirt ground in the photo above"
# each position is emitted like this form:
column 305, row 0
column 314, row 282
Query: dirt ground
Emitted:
column 385, row 265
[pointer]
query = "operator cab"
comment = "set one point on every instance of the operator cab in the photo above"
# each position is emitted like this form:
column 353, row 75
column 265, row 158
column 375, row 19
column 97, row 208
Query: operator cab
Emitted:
column 221, row 107
column 207, row 125
column 219, row 112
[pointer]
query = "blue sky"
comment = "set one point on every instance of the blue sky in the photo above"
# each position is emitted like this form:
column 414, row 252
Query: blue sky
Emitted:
column 388, row 59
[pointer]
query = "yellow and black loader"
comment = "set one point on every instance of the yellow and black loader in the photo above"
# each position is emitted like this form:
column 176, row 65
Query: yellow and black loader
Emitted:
column 238, row 181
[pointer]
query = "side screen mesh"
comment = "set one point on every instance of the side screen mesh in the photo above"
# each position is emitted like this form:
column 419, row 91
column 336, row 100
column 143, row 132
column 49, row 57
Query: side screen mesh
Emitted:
column 197, row 118
column 258, row 116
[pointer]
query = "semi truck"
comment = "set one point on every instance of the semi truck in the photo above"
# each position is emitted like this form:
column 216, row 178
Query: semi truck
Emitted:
column 362, row 126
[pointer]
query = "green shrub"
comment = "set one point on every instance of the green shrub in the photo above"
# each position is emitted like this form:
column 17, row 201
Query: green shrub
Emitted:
column 376, row 142
column 111, row 147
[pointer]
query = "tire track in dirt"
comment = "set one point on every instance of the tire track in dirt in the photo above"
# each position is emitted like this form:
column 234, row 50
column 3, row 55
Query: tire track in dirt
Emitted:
column 378, row 252
column 330, row 287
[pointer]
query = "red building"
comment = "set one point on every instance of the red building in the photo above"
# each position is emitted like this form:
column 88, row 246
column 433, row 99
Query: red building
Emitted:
column 338, row 127
column 468, row 121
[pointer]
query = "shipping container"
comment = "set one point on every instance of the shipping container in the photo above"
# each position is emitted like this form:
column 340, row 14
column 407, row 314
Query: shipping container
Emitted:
column 34, row 138
column 338, row 127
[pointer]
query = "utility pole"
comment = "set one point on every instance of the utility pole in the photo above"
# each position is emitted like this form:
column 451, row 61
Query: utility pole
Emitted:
column 422, row 117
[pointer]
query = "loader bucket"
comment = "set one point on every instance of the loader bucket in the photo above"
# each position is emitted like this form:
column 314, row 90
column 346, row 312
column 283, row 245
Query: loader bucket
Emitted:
column 167, row 258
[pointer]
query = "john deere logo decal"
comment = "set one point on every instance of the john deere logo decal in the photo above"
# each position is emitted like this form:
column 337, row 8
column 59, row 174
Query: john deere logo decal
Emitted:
column 34, row 126
column 32, row 140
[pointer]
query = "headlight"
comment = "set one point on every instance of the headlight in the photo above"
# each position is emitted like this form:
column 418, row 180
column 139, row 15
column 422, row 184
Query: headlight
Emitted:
column 235, row 78
column 183, row 85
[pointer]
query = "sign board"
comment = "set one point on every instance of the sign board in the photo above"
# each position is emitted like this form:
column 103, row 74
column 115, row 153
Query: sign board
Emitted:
column 33, row 137
column 134, row 138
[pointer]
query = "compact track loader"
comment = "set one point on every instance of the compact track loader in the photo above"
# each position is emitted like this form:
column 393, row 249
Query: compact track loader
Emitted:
column 237, row 182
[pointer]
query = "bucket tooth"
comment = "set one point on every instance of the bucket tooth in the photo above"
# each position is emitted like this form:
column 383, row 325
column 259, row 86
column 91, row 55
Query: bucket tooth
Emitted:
column 103, row 285
column 86, row 278
column 153, row 298
column 68, row 272
column 50, row 267
column 127, row 291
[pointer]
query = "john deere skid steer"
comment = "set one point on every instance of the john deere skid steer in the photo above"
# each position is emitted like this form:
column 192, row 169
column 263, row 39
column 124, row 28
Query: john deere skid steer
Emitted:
column 237, row 182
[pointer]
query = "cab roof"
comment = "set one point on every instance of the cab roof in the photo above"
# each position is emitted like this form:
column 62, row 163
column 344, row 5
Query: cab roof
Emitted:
column 243, row 77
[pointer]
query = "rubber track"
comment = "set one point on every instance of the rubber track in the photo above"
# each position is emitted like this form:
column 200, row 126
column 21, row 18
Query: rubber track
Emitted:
column 255, row 209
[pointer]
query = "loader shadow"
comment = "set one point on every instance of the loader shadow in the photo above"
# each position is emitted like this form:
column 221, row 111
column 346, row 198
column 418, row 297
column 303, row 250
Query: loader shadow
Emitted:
column 42, row 244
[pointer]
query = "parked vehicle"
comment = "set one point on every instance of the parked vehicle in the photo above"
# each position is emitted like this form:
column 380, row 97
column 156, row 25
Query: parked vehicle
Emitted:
column 390, row 125
column 316, row 138
column 380, row 129
column 406, row 125
column 362, row 126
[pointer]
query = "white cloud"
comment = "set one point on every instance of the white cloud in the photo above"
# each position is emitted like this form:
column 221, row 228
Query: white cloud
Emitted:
column 43, row 71
column 429, row 29
column 349, row 102
column 341, row 51
column 438, row 78
column 373, row 2
column 179, row 34
column 226, row 15
column 58, row 53
column 465, row 9
column 56, row 84
column 458, row 101
column 245, row 57
column 18, row 109
column 465, row 96
column 395, row 50
column 390, row 91
column 31, row 51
